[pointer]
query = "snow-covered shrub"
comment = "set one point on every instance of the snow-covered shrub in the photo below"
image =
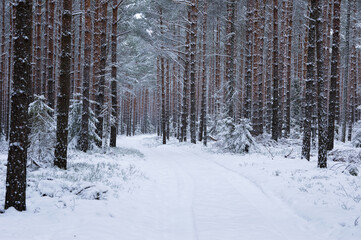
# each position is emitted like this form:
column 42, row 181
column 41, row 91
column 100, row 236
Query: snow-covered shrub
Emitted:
column 356, row 135
column 347, row 159
column 75, row 115
column 42, row 133
column 138, row 130
column 236, row 138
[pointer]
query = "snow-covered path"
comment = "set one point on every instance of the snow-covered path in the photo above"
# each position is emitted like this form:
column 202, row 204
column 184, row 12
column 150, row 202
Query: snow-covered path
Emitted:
column 191, row 196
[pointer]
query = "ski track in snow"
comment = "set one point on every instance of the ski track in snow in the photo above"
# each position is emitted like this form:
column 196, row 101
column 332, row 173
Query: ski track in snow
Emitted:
column 200, row 199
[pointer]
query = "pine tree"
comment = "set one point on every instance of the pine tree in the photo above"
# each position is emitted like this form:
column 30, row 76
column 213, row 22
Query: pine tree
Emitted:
column 322, row 103
column 346, row 74
column 248, row 67
column 335, row 76
column 114, row 89
column 275, row 72
column 192, row 74
column 100, row 94
column 230, row 58
column 18, row 144
column 51, row 59
column 203, row 118
column 84, row 140
column 310, row 79
column 42, row 133
column 185, row 100
column 63, row 99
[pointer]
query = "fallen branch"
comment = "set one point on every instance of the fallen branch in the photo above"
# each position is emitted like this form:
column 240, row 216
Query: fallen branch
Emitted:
column 212, row 138
column 286, row 156
column 84, row 189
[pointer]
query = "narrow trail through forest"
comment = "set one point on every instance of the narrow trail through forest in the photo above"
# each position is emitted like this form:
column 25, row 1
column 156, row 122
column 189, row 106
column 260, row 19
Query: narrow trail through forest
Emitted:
column 191, row 195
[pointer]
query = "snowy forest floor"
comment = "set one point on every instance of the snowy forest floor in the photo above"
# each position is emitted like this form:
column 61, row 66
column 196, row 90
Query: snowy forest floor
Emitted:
column 144, row 190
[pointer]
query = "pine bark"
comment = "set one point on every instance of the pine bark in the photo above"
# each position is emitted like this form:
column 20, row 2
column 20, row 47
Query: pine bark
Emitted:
column 100, row 94
column 113, row 84
column 288, row 68
column 310, row 79
column 64, row 87
column 322, row 102
column 185, row 100
column 203, row 118
column 275, row 72
column 51, row 62
column 230, row 58
column 335, row 73
column 249, row 53
column 346, row 75
column 192, row 75
column 84, row 138
column 18, row 144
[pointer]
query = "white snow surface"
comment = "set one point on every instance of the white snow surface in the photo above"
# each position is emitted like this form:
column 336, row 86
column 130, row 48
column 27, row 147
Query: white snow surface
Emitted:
column 144, row 190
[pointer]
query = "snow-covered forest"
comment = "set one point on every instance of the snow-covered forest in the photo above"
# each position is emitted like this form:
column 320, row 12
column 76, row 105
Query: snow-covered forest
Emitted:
column 180, row 119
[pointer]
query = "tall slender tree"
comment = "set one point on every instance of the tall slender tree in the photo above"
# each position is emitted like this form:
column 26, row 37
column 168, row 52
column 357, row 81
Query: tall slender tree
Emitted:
column 230, row 58
column 64, row 87
column 335, row 75
column 275, row 103
column 322, row 102
column 346, row 74
column 18, row 144
column 84, row 137
column 203, row 118
column 310, row 79
column 192, row 73
column 100, row 95
column 113, row 84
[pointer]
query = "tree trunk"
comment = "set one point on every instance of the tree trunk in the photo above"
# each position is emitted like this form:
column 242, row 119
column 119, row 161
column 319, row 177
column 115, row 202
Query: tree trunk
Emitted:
column 84, row 137
column 322, row 102
column 230, row 58
column 335, row 73
column 275, row 72
column 51, row 63
column 99, row 107
column 114, row 88
column 345, row 79
column 18, row 144
column 64, row 87
column 311, row 62
column 185, row 101
column 193, row 48
column 248, row 70
column 203, row 119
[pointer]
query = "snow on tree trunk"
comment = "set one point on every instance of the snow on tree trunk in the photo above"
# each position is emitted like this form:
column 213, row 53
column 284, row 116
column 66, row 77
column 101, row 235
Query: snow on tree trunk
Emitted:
column 64, row 88
column 100, row 91
column 192, row 75
column 113, row 84
column 51, row 80
column 322, row 102
column 185, row 100
column 346, row 74
column 275, row 73
column 84, row 138
column 310, row 79
column 18, row 144
column 230, row 59
column 203, row 118
column 335, row 75
column 248, row 70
